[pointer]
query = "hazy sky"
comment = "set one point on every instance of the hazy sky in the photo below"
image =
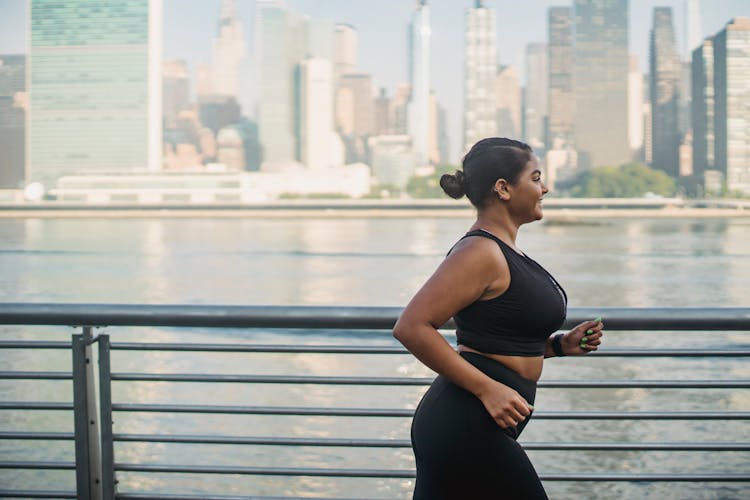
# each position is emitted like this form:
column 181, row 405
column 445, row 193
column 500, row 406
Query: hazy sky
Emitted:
column 190, row 26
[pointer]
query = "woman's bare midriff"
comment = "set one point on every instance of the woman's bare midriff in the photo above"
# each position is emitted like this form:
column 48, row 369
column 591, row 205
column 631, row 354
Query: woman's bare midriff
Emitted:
column 527, row 367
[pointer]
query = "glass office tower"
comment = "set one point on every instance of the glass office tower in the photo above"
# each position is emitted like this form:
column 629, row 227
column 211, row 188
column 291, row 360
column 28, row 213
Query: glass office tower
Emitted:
column 601, row 82
column 94, row 88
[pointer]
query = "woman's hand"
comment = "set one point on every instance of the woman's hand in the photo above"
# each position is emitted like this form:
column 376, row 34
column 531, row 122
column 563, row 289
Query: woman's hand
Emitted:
column 584, row 338
column 505, row 405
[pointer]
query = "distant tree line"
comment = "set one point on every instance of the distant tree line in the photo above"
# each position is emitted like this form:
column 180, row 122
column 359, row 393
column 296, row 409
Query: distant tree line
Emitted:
column 632, row 180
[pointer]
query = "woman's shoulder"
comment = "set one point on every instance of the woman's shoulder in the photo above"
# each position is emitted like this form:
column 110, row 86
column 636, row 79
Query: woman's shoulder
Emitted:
column 479, row 251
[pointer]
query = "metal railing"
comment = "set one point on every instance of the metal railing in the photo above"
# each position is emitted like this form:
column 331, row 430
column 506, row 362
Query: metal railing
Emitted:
column 96, row 466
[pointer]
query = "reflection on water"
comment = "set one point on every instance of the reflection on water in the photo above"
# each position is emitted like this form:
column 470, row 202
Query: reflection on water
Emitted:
column 156, row 254
column 369, row 262
column 357, row 261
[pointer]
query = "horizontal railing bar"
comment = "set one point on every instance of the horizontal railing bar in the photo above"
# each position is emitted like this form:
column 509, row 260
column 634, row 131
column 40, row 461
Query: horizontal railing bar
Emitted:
column 420, row 381
column 265, row 471
column 36, row 494
column 43, row 436
column 270, row 379
column 36, row 375
column 644, row 384
column 34, row 344
column 404, row 473
column 615, row 318
column 263, row 440
column 347, row 349
column 258, row 348
column 37, row 465
column 670, row 353
column 34, row 405
column 669, row 478
column 199, row 315
column 262, row 410
column 390, row 412
column 637, row 446
column 166, row 496
column 405, row 443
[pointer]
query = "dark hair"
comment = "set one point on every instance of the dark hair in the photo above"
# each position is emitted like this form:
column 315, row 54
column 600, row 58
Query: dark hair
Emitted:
column 487, row 161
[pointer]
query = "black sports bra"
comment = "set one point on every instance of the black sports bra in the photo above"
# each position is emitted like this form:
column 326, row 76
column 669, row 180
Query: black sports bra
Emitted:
column 518, row 322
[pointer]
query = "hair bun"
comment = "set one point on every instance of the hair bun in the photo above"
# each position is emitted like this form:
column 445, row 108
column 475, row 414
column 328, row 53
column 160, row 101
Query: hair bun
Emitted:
column 453, row 184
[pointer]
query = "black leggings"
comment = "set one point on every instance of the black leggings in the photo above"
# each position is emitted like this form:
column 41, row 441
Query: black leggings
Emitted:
column 461, row 452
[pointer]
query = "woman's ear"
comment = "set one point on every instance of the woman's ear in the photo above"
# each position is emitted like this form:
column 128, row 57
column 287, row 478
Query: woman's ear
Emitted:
column 501, row 188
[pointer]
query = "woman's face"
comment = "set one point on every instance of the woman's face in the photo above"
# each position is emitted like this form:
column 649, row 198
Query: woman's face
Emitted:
column 525, row 202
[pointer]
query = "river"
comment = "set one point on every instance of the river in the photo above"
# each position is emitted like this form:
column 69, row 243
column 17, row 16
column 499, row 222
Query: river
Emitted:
column 368, row 261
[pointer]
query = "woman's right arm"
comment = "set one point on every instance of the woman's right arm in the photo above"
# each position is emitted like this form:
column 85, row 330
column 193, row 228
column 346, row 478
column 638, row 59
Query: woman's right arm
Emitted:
column 463, row 277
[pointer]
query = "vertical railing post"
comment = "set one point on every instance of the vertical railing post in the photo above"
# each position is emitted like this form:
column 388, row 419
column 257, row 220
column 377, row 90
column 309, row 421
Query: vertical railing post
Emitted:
column 105, row 405
column 88, row 465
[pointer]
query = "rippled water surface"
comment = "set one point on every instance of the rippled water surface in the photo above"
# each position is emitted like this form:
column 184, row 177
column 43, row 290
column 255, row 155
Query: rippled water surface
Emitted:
column 367, row 262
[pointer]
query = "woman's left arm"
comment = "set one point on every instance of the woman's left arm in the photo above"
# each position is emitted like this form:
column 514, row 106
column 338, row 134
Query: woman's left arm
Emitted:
column 582, row 339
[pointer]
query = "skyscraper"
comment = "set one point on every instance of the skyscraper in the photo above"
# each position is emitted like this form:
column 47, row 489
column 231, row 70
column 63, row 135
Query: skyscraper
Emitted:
column 692, row 27
column 635, row 107
column 480, row 70
column 665, row 72
column 175, row 89
column 383, row 124
column 419, row 72
column 732, row 104
column 12, row 74
column 683, row 100
column 399, row 104
column 358, row 89
column 560, row 109
column 282, row 40
column 345, row 49
column 702, row 116
column 508, row 101
column 95, row 88
column 316, row 112
column 535, row 97
column 444, row 152
column 355, row 113
column 12, row 120
column 229, row 51
column 433, row 131
column 601, row 82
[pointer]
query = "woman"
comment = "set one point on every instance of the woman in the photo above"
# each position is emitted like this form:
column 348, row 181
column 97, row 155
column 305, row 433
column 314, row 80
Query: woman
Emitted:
column 505, row 306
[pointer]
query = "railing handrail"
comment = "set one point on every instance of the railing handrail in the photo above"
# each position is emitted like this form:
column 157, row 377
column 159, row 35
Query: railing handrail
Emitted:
column 96, row 466
column 341, row 317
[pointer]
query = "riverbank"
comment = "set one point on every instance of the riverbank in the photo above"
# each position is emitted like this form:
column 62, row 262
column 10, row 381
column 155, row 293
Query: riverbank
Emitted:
column 560, row 209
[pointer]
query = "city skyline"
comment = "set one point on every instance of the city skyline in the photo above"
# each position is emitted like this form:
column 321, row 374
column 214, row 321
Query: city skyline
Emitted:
column 382, row 37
